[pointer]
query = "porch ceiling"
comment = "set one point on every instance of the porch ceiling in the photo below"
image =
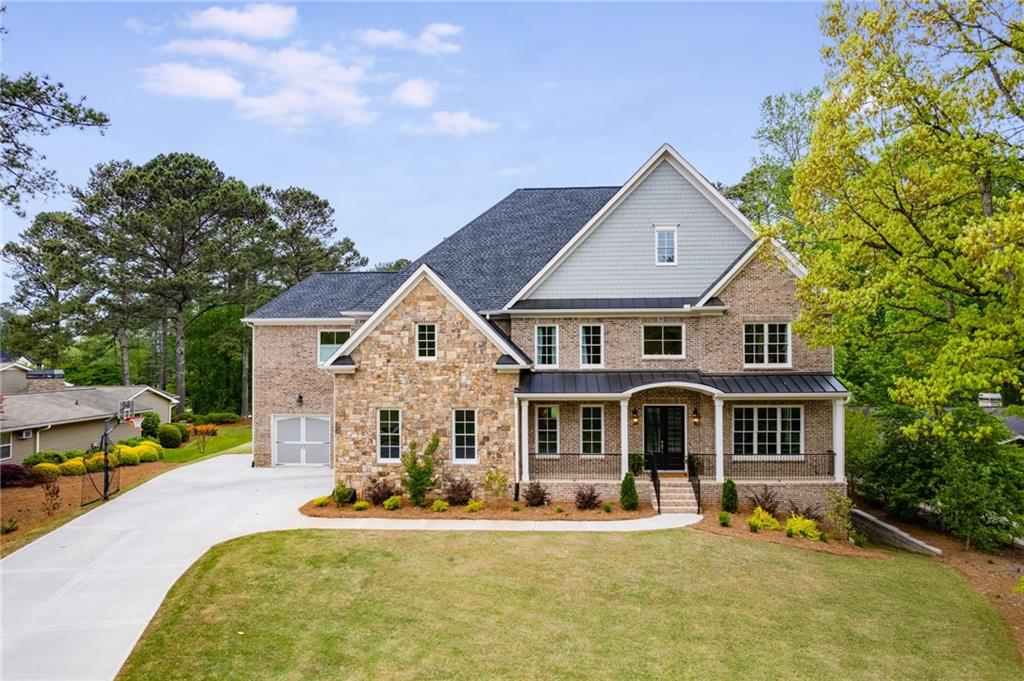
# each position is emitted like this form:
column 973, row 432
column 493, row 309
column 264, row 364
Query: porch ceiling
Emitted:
column 624, row 383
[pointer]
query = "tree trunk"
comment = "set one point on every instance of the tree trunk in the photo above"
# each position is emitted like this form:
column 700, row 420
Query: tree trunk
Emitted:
column 162, row 344
column 179, row 357
column 244, row 412
column 121, row 341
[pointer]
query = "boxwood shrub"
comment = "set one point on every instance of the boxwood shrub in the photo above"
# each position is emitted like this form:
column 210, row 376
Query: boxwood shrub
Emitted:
column 170, row 436
column 74, row 466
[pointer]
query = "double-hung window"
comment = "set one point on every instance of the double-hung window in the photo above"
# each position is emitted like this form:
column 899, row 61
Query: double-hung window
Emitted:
column 330, row 341
column 664, row 341
column 5, row 446
column 547, row 429
column 766, row 344
column 592, row 429
column 591, row 345
column 389, row 434
column 767, row 431
column 665, row 245
column 426, row 341
column 546, row 345
column 464, row 435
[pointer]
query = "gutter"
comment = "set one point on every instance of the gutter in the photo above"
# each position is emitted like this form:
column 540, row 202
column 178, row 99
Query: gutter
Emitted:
column 39, row 430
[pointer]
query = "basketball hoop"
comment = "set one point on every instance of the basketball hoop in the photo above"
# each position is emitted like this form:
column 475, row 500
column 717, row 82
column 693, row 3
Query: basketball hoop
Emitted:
column 133, row 421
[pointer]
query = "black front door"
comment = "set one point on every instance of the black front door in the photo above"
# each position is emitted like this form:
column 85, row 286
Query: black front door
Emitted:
column 665, row 437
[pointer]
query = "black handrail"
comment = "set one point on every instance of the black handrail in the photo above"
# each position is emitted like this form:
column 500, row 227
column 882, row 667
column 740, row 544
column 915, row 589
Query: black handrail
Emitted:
column 693, row 473
column 652, row 470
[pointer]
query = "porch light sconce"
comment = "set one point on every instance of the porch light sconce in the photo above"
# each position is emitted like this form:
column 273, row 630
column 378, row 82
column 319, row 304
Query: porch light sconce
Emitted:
column 299, row 399
column 636, row 417
column 696, row 416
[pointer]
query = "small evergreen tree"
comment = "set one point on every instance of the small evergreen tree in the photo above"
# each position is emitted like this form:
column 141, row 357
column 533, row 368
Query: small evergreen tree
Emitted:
column 419, row 478
column 150, row 422
column 730, row 497
column 628, row 498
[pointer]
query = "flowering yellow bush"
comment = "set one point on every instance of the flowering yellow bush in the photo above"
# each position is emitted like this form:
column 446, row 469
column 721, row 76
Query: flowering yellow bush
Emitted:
column 799, row 526
column 49, row 470
column 761, row 519
column 72, row 467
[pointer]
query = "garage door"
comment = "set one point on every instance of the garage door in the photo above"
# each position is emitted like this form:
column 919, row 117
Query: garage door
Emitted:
column 302, row 440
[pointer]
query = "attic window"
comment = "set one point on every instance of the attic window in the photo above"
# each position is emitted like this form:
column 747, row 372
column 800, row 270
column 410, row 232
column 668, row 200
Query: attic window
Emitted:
column 330, row 341
column 665, row 244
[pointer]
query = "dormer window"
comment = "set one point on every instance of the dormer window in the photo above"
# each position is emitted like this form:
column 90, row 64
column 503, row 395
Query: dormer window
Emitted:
column 665, row 244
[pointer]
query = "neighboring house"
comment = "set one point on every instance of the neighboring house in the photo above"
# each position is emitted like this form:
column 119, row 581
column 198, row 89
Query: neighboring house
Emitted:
column 555, row 332
column 48, row 415
column 993, row 404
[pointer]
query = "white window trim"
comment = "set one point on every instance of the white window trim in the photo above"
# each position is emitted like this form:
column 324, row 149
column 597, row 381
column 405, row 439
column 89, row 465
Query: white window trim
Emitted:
column 778, row 434
column 376, row 435
column 416, row 342
column 766, row 364
column 536, row 352
column 319, row 344
column 669, row 357
column 603, row 431
column 591, row 366
column 558, row 431
column 476, row 443
column 9, row 445
column 675, row 244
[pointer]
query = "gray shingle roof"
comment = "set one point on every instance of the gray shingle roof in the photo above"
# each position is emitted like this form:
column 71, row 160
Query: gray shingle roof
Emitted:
column 27, row 410
column 617, row 382
column 328, row 294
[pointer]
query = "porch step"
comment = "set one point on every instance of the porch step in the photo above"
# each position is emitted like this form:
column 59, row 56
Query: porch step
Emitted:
column 676, row 496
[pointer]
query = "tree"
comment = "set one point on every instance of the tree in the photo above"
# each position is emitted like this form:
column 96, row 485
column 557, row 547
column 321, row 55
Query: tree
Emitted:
column 909, row 201
column 33, row 105
column 391, row 265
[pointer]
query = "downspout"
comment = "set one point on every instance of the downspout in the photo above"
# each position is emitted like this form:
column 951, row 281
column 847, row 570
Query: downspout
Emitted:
column 39, row 430
column 515, row 443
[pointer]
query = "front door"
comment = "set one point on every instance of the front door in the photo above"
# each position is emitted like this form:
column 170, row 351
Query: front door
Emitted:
column 665, row 436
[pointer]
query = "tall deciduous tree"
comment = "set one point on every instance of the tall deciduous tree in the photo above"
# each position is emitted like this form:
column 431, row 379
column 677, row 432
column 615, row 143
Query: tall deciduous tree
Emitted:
column 911, row 197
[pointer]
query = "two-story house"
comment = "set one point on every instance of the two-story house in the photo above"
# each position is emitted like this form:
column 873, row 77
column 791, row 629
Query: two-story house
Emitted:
column 555, row 335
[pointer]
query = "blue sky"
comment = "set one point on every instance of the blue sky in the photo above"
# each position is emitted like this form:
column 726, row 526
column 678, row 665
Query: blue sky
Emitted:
column 412, row 119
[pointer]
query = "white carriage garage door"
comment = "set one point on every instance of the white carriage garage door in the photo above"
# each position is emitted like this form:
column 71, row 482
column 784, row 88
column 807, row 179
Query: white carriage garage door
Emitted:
column 302, row 440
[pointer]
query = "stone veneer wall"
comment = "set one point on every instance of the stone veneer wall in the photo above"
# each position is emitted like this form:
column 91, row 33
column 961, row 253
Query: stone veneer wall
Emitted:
column 390, row 377
column 284, row 366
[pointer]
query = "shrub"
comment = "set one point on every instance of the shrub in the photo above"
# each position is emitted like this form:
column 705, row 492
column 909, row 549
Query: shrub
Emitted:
column 361, row 505
column 380, row 489
column 419, row 478
column 150, row 445
column 496, row 483
column 475, row 506
column 320, row 502
column 859, row 539
column 761, row 519
column 9, row 525
column 809, row 511
column 150, row 423
column 724, row 518
column 208, row 430
column 440, row 506
column 606, row 507
column 183, row 430
column 628, row 498
column 730, row 497
column 222, row 417
column 393, row 503
column 47, row 470
column 44, row 457
column 148, row 456
column 1020, row 587
column 16, row 475
column 838, row 515
column 94, row 463
column 587, row 497
column 129, row 458
column 170, row 436
column 457, row 491
column 799, row 526
column 636, row 463
column 535, row 494
column 343, row 494
column 516, row 508
column 766, row 499
column 74, row 466
column 559, row 509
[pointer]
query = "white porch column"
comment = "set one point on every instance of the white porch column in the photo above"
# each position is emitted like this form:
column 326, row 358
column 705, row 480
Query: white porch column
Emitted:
column 624, row 434
column 515, row 437
column 839, row 437
column 524, row 441
column 719, row 440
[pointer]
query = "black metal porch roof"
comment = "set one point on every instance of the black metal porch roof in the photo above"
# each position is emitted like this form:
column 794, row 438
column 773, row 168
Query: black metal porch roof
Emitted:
column 618, row 382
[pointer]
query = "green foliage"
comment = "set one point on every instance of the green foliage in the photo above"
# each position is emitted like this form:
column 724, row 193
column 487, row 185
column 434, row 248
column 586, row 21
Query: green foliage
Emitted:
column 535, row 494
column 765, row 498
column 730, row 497
column 44, row 457
column 863, row 443
column 761, row 519
column 320, row 502
column 475, row 505
column 496, row 483
column 587, row 497
column 183, row 430
column 859, row 540
column 636, row 463
column 981, row 499
column 170, row 436
column 559, row 509
column 343, row 494
column 95, row 463
column 1020, row 587
column 129, row 458
column 393, row 503
column 724, row 518
column 149, row 456
column 391, row 265
column 628, row 498
column 606, row 507
column 439, row 506
column 361, row 505
column 419, row 479
column 516, row 508
column 799, row 526
column 221, row 417
column 47, row 470
column 838, row 514
column 9, row 525
column 74, row 466
column 150, row 423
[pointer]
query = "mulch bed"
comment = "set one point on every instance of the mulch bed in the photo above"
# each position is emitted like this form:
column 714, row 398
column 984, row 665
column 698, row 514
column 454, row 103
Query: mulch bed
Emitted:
column 738, row 528
column 493, row 511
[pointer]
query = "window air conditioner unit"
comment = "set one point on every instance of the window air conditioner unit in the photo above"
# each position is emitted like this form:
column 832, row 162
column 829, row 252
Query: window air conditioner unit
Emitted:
column 24, row 434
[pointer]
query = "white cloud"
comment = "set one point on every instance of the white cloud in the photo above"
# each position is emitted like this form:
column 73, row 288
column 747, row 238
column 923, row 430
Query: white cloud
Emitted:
column 256, row 22
column 140, row 27
column 457, row 124
column 216, row 47
column 183, row 80
column 415, row 92
column 431, row 39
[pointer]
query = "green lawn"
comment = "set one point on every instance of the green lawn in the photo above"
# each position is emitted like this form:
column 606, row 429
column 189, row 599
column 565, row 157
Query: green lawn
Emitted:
column 322, row 604
column 227, row 438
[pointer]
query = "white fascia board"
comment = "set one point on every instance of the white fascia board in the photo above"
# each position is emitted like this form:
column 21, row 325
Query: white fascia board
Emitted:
column 683, row 167
column 423, row 273
column 161, row 393
column 784, row 396
column 305, row 321
column 14, row 365
column 784, row 254
column 343, row 369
